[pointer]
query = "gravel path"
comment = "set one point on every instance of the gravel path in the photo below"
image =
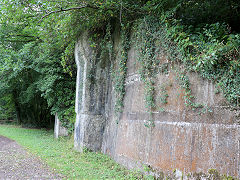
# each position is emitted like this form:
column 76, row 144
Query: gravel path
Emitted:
column 17, row 163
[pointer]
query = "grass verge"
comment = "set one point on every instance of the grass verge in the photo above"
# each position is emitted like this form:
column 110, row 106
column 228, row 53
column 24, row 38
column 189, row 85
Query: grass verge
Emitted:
column 60, row 155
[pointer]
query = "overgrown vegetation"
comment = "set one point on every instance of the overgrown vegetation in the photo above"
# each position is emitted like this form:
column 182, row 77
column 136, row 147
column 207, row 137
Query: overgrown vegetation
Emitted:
column 121, row 72
column 209, row 49
column 38, row 37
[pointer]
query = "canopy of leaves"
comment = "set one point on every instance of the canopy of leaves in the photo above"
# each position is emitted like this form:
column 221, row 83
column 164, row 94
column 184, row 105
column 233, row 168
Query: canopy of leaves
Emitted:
column 37, row 39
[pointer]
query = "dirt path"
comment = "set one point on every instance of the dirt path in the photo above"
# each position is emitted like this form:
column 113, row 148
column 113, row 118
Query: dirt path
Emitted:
column 17, row 163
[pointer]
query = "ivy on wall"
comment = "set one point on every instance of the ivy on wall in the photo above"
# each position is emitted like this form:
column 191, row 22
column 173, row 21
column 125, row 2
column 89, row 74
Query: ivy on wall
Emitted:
column 178, row 29
column 214, row 54
column 121, row 72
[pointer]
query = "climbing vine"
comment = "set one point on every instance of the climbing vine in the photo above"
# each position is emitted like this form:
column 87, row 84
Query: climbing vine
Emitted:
column 164, row 95
column 120, row 73
column 189, row 33
column 189, row 99
column 212, row 52
column 154, row 38
column 147, row 57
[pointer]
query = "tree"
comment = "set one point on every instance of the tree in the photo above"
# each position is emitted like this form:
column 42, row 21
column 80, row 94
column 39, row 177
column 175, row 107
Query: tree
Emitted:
column 37, row 39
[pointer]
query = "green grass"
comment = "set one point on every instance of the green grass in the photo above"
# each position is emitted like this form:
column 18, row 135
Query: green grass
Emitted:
column 60, row 155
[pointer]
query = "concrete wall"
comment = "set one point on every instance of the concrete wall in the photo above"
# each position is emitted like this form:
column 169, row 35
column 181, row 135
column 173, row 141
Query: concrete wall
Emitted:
column 90, row 97
column 181, row 139
column 59, row 130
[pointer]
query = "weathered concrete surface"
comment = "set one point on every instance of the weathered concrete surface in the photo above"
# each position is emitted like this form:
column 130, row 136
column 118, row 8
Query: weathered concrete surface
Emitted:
column 90, row 97
column 181, row 139
column 59, row 130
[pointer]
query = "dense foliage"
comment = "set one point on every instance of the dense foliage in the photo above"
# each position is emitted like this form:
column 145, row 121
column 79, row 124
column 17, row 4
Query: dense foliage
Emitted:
column 37, row 42
column 34, row 73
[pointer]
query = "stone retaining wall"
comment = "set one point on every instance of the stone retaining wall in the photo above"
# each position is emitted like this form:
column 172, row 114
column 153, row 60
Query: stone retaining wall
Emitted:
column 182, row 138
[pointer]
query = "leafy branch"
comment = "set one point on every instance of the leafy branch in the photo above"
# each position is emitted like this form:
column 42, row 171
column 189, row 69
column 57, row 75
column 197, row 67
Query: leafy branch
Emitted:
column 68, row 9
